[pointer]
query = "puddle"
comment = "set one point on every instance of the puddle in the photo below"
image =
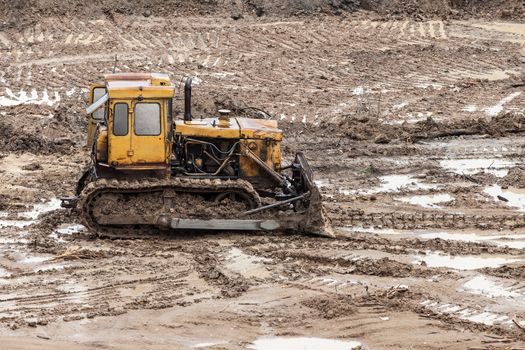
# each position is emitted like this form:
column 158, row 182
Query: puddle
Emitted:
column 461, row 262
column 498, row 107
column 515, row 197
column 42, row 208
column 33, row 259
column 481, row 285
column 56, row 266
column 497, row 167
column 411, row 118
column 427, row 201
column 15, row 223
column 4, row 272
column 40, row 263
column 33, row 214
column 68, row 230
column 247, row 265
column 322, row 183
column 394, row 183
column 470, row 108
column 302, row 343
column 382, row 231
column 484, row 317
column 208, row 344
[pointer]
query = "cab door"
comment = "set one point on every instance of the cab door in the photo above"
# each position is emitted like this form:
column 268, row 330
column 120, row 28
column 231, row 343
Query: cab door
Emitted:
column 148, row 139
column 96, row 91
column 119, row 133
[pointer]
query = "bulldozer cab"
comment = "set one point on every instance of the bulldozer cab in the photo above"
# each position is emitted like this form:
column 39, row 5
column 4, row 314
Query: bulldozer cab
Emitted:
column 136, row 109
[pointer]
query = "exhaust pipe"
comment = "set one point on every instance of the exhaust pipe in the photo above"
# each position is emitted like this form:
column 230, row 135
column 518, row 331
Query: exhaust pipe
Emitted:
column 187, row 100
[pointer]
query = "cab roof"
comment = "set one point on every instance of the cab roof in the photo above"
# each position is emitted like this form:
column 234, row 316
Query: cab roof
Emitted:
column 135, row 85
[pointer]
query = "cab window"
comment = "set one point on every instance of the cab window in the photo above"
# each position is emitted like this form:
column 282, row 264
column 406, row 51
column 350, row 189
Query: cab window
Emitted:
column 147, row 119
column 100, row 113
column 120, row 119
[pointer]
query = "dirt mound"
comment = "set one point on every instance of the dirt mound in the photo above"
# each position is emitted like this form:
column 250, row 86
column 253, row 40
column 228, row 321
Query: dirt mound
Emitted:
column 446, row 8
column 12, row 140
column 506, row 271
column 366, row 128
column 515, row 178
column 337, row 306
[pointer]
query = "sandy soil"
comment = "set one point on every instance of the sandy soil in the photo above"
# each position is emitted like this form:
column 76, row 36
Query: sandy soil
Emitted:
column 413, row 126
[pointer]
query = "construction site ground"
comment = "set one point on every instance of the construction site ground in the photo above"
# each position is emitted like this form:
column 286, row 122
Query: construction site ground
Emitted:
column 414, row 128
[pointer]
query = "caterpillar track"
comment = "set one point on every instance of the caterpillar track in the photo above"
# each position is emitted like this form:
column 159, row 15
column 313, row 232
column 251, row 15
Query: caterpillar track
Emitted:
column 101, row 197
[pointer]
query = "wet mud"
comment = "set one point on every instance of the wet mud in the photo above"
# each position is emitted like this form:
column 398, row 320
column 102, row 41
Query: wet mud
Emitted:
column 410, row 115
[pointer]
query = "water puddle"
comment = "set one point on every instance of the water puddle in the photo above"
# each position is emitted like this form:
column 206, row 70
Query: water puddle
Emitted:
column 4, row 272
column 40, row 262
column 42, row 208
column 303, row 343
column 498, row 107
column 66, row 230
column 246, row 265
column 481, row 285
column 208, row 344
column 461, row 262
column 514, row 197
column 15, row 223
column 382, row 231
column 394, row 183
column 37, row 210
column 33, row 259
column 322, row 183
column 410, row 118
column 427, row 201
column 497, row 167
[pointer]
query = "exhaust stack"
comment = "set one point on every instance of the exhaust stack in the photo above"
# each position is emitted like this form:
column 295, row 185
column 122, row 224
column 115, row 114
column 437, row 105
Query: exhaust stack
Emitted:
column 187, row 100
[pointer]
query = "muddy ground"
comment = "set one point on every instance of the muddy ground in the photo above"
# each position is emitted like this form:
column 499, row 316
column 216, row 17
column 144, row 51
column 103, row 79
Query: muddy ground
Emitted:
column 413, row 124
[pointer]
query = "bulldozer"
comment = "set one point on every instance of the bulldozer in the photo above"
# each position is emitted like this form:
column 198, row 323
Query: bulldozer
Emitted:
column 150, row 168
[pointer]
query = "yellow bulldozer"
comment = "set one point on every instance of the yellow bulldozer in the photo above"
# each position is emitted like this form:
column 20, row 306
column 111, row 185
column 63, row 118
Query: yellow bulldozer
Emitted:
column 149, row 168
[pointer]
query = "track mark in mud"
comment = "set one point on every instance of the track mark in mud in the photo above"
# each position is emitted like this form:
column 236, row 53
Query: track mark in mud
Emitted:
column 231, row 283
column 11, row 98
column 402, row 29
column 470, row 314
column 83, row 39
column 492, row 288
column 77, row 59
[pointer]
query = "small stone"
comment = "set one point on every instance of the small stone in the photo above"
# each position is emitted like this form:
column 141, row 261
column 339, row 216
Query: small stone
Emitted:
column 236, row 16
